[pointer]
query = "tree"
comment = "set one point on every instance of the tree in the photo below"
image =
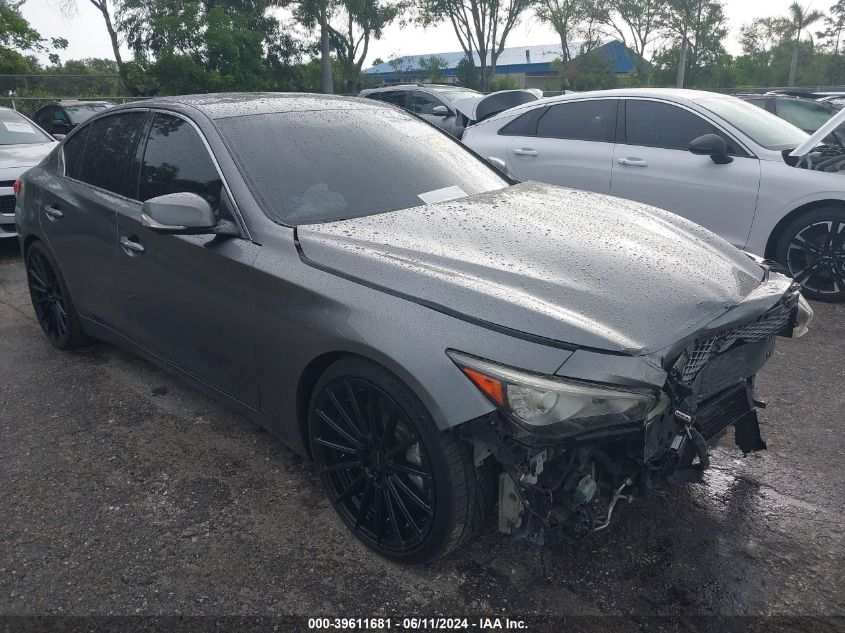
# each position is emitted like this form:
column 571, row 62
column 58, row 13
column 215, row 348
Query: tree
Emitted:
column 699, row 26
column 364, row 20
column 315, row 14
column 69, row 7
column 638, row 23
column 800, row 19
column 835, row 26
column 574, row 20
column 481, row 26
column 17, row 37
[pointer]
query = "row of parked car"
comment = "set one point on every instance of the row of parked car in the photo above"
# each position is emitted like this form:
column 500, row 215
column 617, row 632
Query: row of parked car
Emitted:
column 736, row 166
column 430, row 331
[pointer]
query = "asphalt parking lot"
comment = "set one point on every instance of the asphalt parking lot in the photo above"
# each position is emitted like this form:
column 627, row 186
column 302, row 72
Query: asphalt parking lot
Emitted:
column 124, row 492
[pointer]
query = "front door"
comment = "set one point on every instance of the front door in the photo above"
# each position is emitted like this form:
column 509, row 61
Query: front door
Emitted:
column 188, row 298
column 652, row 164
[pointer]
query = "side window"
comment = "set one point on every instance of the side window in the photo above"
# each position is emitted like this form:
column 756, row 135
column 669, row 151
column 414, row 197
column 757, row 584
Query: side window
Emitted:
column 524, row 125
column 176, row 160
column 424, row 103
column 807, row 116
column 580, row 121
column 60, row 116
column 73, row 150
column 44, row 117
column 655, row 124
column 110, row 150
column 394, row 97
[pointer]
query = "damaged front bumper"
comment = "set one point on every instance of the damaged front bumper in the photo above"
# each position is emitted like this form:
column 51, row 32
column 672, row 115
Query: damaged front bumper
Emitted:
column 574, row 481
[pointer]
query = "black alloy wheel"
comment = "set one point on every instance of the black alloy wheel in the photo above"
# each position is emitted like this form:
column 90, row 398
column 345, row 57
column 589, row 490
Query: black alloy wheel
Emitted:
column 373, row 465
column 813, row 250
column 405, row 489
column 51, row 300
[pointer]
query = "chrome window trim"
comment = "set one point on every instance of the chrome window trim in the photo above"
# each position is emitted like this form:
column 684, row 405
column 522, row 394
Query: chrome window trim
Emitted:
column 112, row 112
column 238, row 215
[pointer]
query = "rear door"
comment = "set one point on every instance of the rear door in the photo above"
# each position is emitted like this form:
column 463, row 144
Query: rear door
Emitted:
column 79, row 215
column 568, row 144
column 652, row 164
column 188, row 298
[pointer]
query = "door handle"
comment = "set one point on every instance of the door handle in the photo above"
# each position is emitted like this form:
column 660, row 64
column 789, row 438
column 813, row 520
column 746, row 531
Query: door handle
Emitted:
column 54, row 213
column 131, row 247
column 526, row 151
column 633, row 162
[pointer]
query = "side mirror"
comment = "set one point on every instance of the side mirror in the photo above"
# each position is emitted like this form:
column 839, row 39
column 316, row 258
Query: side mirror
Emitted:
column 440, row 110
column 184, row 213
column 711, row 145
column 499, row 164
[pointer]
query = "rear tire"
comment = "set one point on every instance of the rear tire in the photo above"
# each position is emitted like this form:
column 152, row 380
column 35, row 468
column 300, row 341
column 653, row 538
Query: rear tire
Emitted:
column 406, row 490
column 51, row 300
column 812, row 247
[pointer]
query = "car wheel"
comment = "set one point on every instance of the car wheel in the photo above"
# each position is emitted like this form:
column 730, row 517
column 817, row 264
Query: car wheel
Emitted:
column 51, row 300
column 408, row 491
column 812, row 247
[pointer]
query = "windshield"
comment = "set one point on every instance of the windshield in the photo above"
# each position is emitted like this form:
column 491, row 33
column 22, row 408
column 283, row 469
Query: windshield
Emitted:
column 759, row 125
column 325, row 165
column 16, row 129
column 454, row 95
column 80, row 113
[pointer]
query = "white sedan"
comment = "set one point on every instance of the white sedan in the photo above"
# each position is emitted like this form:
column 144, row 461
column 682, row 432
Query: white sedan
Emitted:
column 22, row 145
column 756, row 180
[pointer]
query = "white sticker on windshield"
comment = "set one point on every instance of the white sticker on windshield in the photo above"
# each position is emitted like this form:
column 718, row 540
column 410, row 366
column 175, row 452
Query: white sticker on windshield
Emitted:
column 442, row 195
column 14, row 126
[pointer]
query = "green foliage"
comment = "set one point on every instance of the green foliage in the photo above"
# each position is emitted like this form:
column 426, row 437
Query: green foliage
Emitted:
column 503, row 82
column 467, row 73
column 17, row 37
column 431, row 68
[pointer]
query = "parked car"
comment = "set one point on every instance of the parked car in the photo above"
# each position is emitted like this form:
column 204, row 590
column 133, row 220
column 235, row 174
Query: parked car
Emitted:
column 835, row 101
column 451, row 108
column 22, row 145
column 401, row 312
column 714, row 159
column 61, row 117
column 807, row 114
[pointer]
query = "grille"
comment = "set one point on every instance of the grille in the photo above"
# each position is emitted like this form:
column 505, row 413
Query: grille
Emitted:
column 722, row 411
column 7, row 183
column 770, row 324
column 7, row 204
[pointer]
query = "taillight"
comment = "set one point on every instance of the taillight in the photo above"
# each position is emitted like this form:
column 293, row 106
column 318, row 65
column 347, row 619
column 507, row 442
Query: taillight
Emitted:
column 17, row 187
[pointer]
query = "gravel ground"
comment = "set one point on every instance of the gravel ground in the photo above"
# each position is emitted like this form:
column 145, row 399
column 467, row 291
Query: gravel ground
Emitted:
column 124, row 492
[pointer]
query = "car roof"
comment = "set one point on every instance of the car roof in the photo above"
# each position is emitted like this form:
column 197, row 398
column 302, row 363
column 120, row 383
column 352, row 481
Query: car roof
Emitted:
column 671, row 94
column 232, row 104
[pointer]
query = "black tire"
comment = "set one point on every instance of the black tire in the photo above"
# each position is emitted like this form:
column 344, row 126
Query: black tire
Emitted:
column 51, row 300
column 812, row 247
column 353, row 405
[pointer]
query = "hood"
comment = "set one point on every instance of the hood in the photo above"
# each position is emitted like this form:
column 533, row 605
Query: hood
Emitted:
column 567, row 266
column 822, row 133
column 484, row 106
column 27, row 155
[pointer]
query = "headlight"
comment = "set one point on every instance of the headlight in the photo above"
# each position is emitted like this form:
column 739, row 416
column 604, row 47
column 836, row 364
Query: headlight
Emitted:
column 551, row 403
column 803, row 318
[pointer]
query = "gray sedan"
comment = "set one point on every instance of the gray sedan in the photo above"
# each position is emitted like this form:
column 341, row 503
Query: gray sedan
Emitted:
column 429, row 332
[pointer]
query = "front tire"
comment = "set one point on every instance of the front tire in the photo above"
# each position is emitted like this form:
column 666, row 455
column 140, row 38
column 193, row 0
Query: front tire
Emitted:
column 407, row 491
column 812, row 247
column 51, row 300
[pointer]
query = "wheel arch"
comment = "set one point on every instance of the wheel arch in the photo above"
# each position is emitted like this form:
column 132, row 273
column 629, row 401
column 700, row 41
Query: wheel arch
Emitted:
column 305, row 389
column 771, row 244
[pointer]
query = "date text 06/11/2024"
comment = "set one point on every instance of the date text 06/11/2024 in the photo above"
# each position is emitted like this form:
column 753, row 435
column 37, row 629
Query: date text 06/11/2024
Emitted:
column 415, row 624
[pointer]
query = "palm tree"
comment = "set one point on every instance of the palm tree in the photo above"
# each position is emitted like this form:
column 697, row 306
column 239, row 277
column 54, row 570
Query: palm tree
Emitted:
column 800, row 19
column 315, row 14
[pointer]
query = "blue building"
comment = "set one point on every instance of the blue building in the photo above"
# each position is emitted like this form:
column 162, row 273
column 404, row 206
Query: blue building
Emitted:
column 529, row 66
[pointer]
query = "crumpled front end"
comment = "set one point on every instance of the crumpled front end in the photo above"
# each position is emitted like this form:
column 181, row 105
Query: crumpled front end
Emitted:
column 573, row 475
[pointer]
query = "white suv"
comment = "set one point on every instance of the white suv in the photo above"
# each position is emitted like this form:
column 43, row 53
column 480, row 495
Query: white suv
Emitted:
column 756, row 180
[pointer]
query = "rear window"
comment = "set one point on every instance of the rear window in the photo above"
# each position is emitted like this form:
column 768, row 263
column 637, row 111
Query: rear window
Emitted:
column 80, row 113
column 320, row 166
column 16, row 129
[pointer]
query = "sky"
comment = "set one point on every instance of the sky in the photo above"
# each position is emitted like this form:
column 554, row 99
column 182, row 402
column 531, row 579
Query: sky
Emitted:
column 87, row 37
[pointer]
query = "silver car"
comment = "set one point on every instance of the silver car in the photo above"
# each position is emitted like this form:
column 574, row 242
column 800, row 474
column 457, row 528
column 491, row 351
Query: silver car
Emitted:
column 22, row 145
column 434, row 336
